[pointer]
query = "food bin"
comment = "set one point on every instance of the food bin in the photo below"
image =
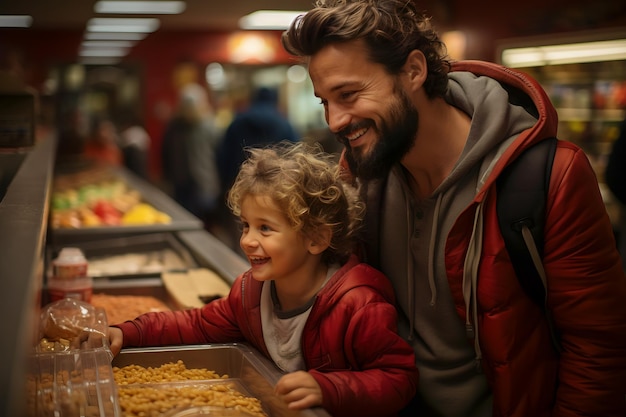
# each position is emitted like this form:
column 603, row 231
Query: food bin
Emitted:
column 251, row 373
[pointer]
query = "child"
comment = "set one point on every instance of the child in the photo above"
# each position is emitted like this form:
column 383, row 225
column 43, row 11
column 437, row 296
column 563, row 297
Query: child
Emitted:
column 323, row 317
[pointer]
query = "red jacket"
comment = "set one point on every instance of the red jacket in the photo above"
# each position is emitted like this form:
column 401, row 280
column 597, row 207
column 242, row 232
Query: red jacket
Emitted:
column 586, row 285
column 350, row 342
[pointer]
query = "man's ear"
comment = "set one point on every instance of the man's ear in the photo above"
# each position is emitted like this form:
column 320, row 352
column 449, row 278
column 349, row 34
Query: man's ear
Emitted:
column 321, row 242
column 416, row 68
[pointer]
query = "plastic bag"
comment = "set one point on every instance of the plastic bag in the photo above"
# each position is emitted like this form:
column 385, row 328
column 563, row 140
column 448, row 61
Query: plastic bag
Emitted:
column 72, row 324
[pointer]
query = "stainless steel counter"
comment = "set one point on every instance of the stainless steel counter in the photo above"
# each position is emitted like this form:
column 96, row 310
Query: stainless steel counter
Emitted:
column 23, row 223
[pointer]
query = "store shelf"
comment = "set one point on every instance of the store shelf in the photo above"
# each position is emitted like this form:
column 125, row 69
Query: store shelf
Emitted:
column 589, row 96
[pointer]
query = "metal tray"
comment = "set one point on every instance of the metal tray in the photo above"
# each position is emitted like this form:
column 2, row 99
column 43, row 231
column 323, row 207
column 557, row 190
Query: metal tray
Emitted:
column 149, row 245
column 249, row 369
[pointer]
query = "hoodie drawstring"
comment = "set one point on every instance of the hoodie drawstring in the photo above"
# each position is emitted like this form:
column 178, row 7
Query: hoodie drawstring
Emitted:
column 470, row 282
column 431, row 251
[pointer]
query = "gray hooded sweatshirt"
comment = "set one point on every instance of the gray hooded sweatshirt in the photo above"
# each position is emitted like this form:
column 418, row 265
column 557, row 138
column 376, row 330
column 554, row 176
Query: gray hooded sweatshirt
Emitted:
column 451, row 383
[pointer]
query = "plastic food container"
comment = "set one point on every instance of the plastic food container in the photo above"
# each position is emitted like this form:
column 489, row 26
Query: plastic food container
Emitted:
column 69, row 277
column 69, row 372
column 77, row 289
column 72, row 383
column 70, row 264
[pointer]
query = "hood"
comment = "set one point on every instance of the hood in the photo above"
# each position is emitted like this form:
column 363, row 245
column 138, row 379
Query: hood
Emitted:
column 355, row 274
column 525, row 115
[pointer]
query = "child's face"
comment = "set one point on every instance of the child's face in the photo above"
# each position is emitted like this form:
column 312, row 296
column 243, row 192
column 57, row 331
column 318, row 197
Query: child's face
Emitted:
column 274, row 249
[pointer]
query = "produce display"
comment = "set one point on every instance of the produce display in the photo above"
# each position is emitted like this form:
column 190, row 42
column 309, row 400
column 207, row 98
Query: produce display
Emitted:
column 96, row 198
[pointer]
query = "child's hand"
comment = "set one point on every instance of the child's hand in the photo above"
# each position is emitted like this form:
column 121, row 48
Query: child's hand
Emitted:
column 116, row 337
column 299, row 390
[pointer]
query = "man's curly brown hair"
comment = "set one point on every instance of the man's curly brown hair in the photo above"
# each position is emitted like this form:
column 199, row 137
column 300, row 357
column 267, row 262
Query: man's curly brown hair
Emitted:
column 306, row 184
column 391, row 29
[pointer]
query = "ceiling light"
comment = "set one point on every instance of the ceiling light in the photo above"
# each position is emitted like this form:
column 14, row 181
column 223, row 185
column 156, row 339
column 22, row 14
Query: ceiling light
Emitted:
column 15, row 21
column 99, row 61
column 107, row 44
column 103, row 52
column 104, row 24
column 114, row 36
column 269, row 19
column 140, row 7
column 573, row 53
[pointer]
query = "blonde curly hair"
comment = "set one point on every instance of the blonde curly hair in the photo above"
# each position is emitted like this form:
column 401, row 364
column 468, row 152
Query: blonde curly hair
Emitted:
column 306, row 184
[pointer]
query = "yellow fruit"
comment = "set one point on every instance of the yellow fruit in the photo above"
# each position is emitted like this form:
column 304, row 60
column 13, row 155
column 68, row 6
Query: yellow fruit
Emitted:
column 163, row 218
column 143, row 213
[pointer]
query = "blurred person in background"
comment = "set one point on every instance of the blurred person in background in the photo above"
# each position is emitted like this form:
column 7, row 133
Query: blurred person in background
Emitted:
column 260, row 124
column 102, row 145
column 427, row 139
column 615, row 178
column 135, row 144
column 188, row 154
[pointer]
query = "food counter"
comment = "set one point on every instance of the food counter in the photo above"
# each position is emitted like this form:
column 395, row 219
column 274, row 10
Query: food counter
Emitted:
column 30, row 242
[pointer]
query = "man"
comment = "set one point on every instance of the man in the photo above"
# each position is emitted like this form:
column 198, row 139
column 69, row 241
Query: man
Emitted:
column 426, row 140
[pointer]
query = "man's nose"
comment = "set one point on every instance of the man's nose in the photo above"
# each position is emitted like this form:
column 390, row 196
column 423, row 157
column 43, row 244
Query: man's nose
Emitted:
column 337, row 118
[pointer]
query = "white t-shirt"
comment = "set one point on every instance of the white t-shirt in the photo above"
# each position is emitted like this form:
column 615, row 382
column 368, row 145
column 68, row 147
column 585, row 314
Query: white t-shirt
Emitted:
column 282, row 330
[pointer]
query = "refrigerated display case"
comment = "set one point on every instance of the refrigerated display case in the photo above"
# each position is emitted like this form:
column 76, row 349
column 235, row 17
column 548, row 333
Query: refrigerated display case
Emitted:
column 29, row 244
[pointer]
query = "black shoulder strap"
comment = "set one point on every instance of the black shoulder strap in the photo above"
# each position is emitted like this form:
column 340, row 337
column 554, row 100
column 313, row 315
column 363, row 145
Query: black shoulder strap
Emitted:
column 521, row 205
column 522, row 191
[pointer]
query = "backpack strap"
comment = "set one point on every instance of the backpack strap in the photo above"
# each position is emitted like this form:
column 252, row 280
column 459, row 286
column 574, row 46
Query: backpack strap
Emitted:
column 521, row 206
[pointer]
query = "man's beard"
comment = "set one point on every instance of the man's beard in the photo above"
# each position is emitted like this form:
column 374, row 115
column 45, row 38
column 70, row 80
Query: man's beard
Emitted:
column 397, row 137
